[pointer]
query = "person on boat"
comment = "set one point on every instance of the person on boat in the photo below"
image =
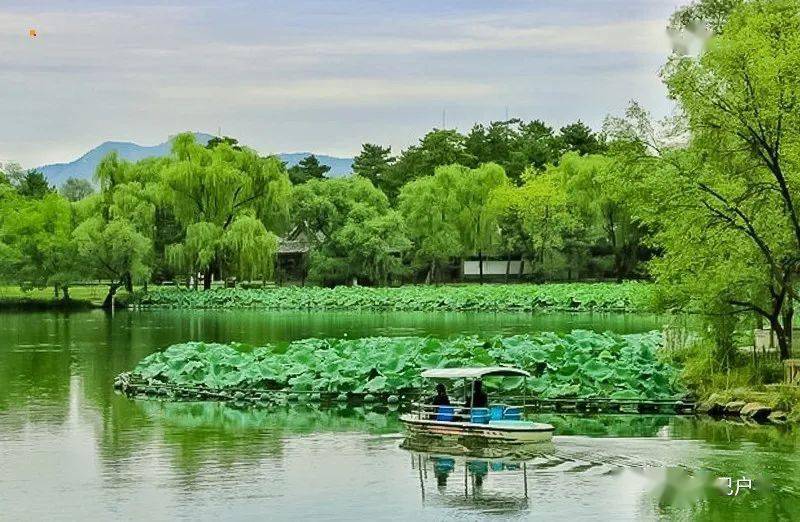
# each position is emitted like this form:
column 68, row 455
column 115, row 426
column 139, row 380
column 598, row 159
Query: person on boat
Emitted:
column 479, row 398
column 441, row 398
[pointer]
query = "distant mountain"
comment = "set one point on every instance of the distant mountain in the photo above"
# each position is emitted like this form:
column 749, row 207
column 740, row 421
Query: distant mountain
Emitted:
column 85, row 166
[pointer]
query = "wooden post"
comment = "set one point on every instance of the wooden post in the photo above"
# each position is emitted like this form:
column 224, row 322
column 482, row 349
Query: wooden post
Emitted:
column 525, row 478
column 791, row 371
column 421, row 482
column 466, row 482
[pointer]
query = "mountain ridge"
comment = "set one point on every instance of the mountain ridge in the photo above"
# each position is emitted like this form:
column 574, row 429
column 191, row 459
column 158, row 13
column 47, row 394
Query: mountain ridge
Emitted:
column 84, row 166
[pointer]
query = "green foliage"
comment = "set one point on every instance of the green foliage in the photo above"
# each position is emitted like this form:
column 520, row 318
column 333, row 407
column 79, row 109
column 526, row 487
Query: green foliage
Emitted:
column 231, row 142
column 34, row 185
column 579, row 297
column 251, row 249
column 518, row 146
column 75, row 189
column 435, row 149
column 536, row 217
column 600, row 203
column 374, row 246
column 428, row 206
column 219, row 208
column 579, row 364
column 356, row 233
column 703, row 15
column 307, row 169
column 448, row 213
column 374, row 163
column 579, row 138
column 217, row 185
column 113, row 250
column 705, row 371
column 723, row 207
column 231, row 201
column 35, row 234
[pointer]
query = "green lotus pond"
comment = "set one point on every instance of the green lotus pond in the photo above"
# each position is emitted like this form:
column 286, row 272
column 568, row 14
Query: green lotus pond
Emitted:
column 71, row 448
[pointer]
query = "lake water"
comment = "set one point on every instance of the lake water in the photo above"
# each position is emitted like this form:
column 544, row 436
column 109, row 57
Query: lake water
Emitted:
column 72, row 449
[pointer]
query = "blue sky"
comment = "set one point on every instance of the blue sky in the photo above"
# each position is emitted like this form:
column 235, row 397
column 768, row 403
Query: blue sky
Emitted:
column 315, row 75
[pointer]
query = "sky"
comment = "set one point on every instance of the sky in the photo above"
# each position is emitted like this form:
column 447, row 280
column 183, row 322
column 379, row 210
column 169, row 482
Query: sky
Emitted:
column 315, row 75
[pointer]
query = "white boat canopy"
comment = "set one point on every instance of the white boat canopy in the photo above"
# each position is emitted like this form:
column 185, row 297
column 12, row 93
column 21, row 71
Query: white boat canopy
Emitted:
column 474, row 373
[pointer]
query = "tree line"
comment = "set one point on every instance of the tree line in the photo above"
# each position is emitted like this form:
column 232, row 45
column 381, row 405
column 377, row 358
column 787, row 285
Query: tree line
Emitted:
column 513, row 190
column 704, row 202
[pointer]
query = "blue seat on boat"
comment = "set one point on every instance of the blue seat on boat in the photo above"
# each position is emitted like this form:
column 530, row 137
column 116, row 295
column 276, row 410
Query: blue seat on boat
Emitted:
column 478, row 467
column 512, row 413
column 445, row 413
column 496, row 411
column 480, row 415
column 443, row 464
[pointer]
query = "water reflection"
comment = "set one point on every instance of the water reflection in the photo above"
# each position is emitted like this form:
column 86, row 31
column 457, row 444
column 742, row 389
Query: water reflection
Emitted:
column 72, row 448
column 493, row 486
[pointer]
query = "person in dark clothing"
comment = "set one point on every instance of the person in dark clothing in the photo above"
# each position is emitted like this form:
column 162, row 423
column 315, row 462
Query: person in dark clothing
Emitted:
column 441, row 398
column 479, row 397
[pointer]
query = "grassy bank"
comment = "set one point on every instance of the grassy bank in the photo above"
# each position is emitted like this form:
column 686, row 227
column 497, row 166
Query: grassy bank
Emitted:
column 778, row 397
column 578, row 364
column 583, row 297
column 83, row 296
column 716, row 379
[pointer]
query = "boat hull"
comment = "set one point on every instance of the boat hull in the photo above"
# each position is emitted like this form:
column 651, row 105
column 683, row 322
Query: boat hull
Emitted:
column 504, row 432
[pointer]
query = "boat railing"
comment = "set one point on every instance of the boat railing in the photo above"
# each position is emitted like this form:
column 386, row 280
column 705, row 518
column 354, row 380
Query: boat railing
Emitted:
column 457, row 413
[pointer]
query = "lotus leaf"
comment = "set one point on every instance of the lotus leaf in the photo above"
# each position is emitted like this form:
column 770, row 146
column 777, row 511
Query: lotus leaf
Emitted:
column 580, row 363
column 621, row 297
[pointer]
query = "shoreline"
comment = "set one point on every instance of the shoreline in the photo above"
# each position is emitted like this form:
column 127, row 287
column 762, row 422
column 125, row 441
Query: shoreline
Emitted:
column 778, row 405
column 626, row 297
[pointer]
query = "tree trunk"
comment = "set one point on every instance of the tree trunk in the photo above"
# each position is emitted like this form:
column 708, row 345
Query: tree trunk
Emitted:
column 788, row 316
column 112, row 291
column 65, row 292
column 55, row 291
column 429, row 275
column 508, row 266
column 521, row 267
column 480, row 265
column 207, row 279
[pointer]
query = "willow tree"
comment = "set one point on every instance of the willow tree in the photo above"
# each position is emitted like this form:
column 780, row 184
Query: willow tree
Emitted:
column 542, row 213
column 375, row 245
column 113, row 250
column 427, row 205
column 477, row 227
column 726, row 205
column 354, row 232
column 127, row 203
column 592, row 184
column 37, row 234
column 220, row 194
column 458, row 220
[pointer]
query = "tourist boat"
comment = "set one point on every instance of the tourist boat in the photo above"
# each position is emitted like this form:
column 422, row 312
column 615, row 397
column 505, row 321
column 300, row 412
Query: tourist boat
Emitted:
column 497, row 423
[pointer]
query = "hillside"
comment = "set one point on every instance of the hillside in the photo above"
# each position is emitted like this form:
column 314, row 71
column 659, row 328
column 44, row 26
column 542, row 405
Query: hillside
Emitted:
column 84, row 166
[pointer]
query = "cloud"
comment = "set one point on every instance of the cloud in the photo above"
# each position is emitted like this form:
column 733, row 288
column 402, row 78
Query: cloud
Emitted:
column 295, row 71
column 336, row 91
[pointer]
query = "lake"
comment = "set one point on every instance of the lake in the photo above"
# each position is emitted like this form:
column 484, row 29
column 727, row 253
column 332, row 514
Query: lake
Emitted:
column 72, row 449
